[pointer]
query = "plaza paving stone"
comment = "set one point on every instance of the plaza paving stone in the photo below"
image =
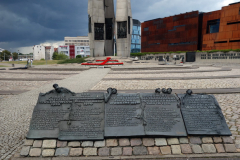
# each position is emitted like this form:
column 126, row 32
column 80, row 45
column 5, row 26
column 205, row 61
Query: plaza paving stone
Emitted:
column 16, row 111
column 176, row 84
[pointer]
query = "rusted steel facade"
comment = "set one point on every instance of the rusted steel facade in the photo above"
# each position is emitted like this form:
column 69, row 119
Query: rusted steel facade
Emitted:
column 175, row 33
column 228, row 36
column 193, row 31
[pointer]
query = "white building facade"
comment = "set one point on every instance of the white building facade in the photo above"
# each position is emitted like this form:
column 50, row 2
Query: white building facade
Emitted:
column 84, row 51
column 72, row 51
column 38, row 52
column 64, row 49
column 77, row 41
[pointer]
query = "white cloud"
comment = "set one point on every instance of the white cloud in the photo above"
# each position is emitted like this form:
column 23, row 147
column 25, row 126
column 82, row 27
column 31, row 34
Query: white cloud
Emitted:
column 53, row 43
column 29, row 49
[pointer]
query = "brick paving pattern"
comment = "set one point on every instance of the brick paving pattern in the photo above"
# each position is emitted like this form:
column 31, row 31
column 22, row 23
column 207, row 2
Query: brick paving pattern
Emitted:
column 15, row 123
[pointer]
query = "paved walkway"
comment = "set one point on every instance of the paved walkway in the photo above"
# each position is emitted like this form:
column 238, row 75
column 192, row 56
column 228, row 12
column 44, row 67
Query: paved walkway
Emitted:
column 15, row 112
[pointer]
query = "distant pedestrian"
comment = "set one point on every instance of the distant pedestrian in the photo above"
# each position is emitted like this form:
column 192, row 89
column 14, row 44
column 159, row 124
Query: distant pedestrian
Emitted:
column 27, row 63
column 31, row 62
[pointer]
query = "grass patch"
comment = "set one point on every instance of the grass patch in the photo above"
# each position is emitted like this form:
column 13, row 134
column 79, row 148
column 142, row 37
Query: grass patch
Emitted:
column 3, row 66
column 224, row 50
column 36, row 62
column 75, row 60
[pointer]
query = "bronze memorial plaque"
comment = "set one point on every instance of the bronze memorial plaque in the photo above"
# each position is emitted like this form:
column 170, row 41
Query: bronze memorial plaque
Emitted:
column 162, row 115
column 86, row 118
column 203, row 116
column 145, row 114
column 65, row 115
column 50, row 110
column 124, row 116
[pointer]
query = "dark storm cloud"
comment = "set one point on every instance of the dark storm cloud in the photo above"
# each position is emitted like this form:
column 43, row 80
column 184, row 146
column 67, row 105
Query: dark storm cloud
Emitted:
column 29, row 22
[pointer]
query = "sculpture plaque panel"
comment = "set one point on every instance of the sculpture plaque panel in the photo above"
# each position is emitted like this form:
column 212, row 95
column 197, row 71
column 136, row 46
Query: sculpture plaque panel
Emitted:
column 162, row 115
column 63, row 114
column 124, row 116
column 86, row 118
column 49, row 111
column 203, row 116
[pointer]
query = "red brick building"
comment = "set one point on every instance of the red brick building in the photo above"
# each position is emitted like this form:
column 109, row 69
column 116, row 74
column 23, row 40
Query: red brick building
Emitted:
column 193, row 31
column 175, row 33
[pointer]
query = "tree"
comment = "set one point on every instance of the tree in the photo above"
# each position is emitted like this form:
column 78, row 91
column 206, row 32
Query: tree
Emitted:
column 55, row 55
column 30, row 53
column 7, row 55
column 15, row 55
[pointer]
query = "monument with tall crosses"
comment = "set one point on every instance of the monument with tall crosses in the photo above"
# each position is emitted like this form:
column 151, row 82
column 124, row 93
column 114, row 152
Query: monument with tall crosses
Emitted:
column 103, row 27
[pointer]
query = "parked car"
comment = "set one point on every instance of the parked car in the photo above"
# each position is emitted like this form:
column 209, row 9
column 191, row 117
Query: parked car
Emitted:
column 23, row 59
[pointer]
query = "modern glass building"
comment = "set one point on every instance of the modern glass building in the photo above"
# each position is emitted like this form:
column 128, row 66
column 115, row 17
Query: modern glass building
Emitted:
column 136, row 37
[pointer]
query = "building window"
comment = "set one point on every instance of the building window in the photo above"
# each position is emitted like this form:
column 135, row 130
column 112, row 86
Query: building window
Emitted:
column 109, row 28
column 122, row 29
column 89, row 24
column 129, row 24
column 213, row 26
column 99, row 31
column 146, row 29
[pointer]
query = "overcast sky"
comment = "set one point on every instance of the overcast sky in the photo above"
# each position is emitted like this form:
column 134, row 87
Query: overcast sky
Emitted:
column 25, row 23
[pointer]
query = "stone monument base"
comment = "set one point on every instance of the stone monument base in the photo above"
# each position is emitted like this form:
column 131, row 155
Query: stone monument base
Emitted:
column 130, row 147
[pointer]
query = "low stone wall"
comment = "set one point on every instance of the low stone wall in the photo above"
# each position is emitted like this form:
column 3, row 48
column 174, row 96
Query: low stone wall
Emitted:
column 129, row 147
column 218, row 57
column 163, row 55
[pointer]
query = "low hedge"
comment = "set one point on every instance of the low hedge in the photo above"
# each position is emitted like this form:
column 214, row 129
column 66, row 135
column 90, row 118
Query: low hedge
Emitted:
column 75, row 60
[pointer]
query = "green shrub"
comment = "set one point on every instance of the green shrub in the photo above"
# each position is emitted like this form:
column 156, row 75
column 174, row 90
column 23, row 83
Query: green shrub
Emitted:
column 42, row 59
column 62, row 56
column 223, row 50
column 59, row 56
column 75, row 60
column 78, row 56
